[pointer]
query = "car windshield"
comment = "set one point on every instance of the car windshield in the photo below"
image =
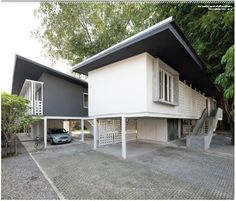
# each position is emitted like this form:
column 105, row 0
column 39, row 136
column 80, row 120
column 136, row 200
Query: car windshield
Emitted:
column 59, row 130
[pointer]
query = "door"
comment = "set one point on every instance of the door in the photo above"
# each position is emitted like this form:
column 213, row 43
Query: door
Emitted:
column 172, row 128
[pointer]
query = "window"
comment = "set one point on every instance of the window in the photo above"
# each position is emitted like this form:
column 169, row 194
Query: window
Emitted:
column 165, row 86
column 85, row 100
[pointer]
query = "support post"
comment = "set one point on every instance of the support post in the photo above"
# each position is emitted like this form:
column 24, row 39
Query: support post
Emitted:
column 82, row 130
column 45, row 131
column 42, row 97
column 32, row 98
column 38, row 134
column 94, row 133
column 123, row 133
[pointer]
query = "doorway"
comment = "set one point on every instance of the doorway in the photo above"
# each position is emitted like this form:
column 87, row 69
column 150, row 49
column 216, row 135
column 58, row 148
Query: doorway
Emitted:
column 172, row 129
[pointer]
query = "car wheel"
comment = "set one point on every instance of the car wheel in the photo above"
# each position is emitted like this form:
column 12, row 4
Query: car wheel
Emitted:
column 51, row 141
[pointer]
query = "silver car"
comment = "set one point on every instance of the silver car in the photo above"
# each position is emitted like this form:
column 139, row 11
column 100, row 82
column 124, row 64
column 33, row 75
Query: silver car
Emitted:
column 58, row 135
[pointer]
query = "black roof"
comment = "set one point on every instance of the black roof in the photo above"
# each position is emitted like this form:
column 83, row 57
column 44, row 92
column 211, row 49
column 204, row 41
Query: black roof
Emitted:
column 166, row 41
column 28, row 69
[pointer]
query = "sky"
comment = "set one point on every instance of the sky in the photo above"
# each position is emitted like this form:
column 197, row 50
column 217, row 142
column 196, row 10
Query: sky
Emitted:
column 17, row 21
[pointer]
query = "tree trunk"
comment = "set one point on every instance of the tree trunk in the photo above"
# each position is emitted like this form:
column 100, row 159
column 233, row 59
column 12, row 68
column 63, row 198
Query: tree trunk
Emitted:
column 232, row 132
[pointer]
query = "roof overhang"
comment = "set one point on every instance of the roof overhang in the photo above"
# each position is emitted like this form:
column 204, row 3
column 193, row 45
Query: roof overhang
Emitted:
column 28, row 69
column 164, row 40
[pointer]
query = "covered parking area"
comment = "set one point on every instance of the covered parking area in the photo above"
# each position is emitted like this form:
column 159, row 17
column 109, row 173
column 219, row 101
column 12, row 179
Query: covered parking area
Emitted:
column 67, row 123
column 127, row 135
column 118, row 133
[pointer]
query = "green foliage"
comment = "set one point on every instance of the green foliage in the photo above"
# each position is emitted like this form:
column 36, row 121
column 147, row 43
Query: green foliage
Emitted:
column 77, row 31
column 14, row 113
column 226, row 79
column 209, row 32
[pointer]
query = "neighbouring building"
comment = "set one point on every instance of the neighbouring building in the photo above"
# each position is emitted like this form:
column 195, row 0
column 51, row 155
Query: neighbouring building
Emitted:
column 54, row 96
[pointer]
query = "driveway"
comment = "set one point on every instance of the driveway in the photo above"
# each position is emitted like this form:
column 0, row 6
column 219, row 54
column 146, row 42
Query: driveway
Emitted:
column 78, row 172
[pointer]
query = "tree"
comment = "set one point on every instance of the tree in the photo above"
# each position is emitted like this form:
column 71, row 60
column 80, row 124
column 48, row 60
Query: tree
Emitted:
column 14, row 114
column 77, row 31
column 226, row 81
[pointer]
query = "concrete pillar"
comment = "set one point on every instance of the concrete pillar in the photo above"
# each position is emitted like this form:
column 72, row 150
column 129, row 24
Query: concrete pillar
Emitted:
column 82, row 129
column 37, row 129
column 45, row 131
column 123, row 133
column 94, row 133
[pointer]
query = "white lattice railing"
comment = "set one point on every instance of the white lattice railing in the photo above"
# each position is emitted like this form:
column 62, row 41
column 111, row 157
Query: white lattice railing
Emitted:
column 38, row 107
column 109, row 131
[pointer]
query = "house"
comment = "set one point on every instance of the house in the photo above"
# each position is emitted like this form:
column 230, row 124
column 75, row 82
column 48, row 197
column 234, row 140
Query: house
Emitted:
column 54, row 96
column 152, row 87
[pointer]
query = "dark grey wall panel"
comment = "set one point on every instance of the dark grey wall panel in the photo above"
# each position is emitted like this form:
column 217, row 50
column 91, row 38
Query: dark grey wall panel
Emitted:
column 62, row 98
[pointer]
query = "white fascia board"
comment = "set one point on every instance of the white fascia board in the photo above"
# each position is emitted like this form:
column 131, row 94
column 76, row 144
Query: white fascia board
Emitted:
column 143, row 114
column 106, row 51
column 63, row 117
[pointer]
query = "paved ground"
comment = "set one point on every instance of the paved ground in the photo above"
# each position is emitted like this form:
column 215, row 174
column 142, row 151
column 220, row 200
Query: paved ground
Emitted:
column 221, row 144
column 21, row 179
column 152, row 171
column 164, row 173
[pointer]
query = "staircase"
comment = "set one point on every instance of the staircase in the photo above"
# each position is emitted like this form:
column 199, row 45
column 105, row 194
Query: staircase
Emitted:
column 200, row 138
column 89, row 125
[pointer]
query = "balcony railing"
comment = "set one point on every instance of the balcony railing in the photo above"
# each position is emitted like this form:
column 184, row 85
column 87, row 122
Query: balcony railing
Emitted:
column 38, row 107
column 33, row 91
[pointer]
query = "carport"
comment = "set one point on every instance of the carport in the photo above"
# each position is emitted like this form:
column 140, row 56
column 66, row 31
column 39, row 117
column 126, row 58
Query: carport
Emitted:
column 139, row 132
column 82, row 120
column 112, row 130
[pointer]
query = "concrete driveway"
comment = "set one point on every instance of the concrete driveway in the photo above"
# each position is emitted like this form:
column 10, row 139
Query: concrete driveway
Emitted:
column 78, row 172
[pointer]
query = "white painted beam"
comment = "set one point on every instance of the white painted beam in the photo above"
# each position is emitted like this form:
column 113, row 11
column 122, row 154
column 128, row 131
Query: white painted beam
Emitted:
column 123, row 133
column 95, row 133
column 82, row 130
column 45, row 131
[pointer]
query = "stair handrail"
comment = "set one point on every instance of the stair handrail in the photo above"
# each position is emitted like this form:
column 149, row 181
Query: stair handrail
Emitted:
column 218, row 116
column 200, row 122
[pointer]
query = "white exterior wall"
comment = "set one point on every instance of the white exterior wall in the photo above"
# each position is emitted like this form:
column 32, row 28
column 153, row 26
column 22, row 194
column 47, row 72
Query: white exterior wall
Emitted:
column 127, row 87
column 37, row 129
column 190, row 103
column 119, row 87
column 152, row 129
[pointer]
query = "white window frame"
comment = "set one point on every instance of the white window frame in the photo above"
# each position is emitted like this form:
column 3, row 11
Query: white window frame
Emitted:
column 84, row 100
column 170, row 89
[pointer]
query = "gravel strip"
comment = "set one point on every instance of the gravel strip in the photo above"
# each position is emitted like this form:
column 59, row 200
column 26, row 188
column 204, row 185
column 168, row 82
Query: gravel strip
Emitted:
column 22, row 179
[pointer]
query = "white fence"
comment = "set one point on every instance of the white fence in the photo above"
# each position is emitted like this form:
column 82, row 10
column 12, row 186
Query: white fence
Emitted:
column 109, row 131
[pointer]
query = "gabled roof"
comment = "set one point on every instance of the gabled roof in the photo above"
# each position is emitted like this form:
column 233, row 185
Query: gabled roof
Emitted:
column 164, row 40
column 28, row 69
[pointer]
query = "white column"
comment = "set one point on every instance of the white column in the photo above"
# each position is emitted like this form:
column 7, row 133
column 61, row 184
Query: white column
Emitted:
column 82, row 129
column 32, row 98
column 42, row 97
column 123, row 133
column 45, row 131
column 94, row 133
column 31, row 131
column 38, row 129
